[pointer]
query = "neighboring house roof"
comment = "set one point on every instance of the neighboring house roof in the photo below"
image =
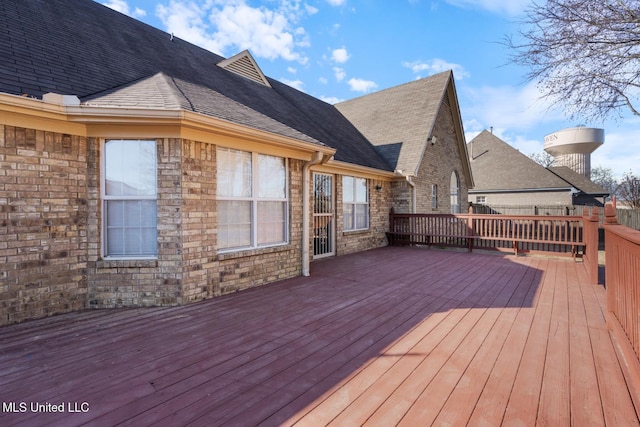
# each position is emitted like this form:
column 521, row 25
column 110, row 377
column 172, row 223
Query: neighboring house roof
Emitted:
column 399, row 120
column 579, row 181
column 499, row 167
column 82, row 48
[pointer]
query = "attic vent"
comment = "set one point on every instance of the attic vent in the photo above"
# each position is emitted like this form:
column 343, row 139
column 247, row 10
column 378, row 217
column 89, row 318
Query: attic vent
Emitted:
column 446, row 100
column 244, row 65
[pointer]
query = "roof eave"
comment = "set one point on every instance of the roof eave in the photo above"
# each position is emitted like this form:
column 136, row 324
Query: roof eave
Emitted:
column 353, row 169
column 97, row 119
column 521, row 190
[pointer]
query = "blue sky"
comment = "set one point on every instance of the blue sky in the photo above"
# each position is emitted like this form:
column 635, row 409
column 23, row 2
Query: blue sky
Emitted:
column 341, row 49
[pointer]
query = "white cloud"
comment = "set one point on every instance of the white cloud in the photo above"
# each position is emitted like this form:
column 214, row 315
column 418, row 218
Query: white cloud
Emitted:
column 336, row 2
column 518, row 141
column 310, row 9
column 331, row 99
column 510, row 7
column 339, row 73
column 361, row 85
column 512, row 112
column 621, row 149
column 297, row 84
column 185, row 21
column 435, row 66
column 340, row 55
column 508, row 107
column 123, row 7
column 230, row 26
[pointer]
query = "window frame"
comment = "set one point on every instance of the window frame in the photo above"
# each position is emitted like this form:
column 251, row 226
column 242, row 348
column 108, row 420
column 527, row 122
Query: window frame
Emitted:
column 254, row 201
column 106, row 198
column 455, row 200
column 434, row 196
column 355, row 203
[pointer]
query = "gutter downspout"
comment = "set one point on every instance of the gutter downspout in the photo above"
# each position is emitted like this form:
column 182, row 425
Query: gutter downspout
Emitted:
column 306, row 189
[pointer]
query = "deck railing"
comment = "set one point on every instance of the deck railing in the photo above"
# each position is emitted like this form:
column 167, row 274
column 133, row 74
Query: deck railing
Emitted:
column 625, row 216
column 562, row 235
column 622, row 278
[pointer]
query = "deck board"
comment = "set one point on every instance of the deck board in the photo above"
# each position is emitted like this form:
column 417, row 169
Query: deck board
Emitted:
column 393, row 336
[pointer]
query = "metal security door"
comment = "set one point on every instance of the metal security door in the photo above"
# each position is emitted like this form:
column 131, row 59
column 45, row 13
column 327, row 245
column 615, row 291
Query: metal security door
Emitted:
column 323, row 215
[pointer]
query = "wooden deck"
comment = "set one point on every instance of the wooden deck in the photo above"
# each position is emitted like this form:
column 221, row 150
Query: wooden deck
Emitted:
column 393, row 336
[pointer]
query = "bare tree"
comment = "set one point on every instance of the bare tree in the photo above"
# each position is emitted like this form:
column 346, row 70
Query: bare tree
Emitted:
column 605, row 179
column 583, row 54
column 629, row 190
column 545, row 159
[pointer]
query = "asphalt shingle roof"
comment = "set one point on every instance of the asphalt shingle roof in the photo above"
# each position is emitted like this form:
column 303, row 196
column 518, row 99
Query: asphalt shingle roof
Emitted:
column 498, row 166
column 399, row 120
column 578, row 181
column 82, row 48
column 162, row 91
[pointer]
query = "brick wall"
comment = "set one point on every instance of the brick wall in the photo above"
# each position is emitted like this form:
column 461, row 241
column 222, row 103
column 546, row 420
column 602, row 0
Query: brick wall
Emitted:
column 43, row 223
column 200, row 265
column 374, row 237
column 401, row 196
column 246, row 269
column 131, row 283
column 439, row 161
column 51, row 230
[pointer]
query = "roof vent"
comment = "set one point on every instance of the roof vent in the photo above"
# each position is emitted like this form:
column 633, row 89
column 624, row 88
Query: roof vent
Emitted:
column 243, row 64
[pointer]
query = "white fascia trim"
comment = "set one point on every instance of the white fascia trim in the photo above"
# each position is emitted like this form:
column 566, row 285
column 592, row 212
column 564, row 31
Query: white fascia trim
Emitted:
column 345, row 168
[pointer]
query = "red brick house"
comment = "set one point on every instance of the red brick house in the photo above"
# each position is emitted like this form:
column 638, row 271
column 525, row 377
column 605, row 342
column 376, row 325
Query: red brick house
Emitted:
column 137, row 169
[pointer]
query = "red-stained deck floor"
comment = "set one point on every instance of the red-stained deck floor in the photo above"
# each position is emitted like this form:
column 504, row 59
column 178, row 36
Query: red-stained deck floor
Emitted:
column 392, row 336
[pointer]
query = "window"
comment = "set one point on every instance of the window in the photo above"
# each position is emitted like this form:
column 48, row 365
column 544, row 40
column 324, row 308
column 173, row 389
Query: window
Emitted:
column 129, row 194
column 434, row 196
column 252, row 200
column 355, row 203
column 481, row 200
column 454, row 191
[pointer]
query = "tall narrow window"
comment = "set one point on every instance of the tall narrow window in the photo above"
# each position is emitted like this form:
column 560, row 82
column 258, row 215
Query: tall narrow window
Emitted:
column 434, row 196
column 252, row 199
column 355, row 203
column 454, row 189
column 129, row 193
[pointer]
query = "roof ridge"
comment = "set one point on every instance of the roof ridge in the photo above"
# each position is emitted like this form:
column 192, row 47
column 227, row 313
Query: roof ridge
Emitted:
column 396, row 87
column 163, row 84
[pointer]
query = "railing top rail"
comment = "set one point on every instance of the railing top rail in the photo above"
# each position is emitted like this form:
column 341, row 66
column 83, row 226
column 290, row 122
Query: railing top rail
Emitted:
column 494, row 216
column 624, row 232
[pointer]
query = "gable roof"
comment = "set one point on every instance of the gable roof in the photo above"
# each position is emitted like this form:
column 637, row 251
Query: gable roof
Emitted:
column 399, row 120
column 579, row 181
column 497, row 166
column 82, row 48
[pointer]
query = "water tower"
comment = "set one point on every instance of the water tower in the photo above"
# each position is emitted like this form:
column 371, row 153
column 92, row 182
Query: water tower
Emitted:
column 572, row 147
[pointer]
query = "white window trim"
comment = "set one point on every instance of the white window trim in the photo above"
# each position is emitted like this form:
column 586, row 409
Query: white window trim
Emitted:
column 104, row 198
column 254, row 204
column 366, row 204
